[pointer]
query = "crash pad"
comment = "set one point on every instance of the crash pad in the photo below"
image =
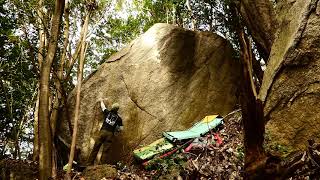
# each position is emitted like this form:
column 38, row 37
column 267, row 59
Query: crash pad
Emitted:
column 199, row 129
column 157, row 147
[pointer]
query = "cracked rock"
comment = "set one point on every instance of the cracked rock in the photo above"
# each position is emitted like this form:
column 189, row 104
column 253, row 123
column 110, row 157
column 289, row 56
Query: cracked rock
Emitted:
column 166, row 79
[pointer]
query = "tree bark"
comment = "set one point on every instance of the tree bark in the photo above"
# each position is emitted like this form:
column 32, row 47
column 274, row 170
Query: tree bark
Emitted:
column 45, row 139
column 59, row 99
column 252, row 112
column 58, row 78
column 41, row 35
column 40, row 60
column 74, row 56
column 77, row 107
column 36, row 130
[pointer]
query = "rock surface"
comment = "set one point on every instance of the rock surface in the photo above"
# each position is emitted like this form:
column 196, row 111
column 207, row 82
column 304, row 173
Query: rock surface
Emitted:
column 291, row 85
column 167, row 79
column 104, row 171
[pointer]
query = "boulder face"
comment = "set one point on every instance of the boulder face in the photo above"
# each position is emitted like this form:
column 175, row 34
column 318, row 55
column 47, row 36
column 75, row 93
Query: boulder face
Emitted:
column 291, row 85
column 167, row 79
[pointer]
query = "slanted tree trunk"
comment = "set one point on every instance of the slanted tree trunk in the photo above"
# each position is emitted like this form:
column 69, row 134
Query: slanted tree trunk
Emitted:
column 45, row 139
column 77, row 107
column 252, row 112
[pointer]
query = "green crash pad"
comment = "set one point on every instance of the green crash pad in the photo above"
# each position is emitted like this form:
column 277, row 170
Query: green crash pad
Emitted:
column 197, row 130
column 157, row 147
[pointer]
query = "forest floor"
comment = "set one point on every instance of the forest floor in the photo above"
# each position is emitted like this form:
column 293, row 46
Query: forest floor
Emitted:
column 224, row 161
column 219, row 161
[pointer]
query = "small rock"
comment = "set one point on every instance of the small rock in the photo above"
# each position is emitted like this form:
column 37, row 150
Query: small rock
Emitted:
column 100, row 172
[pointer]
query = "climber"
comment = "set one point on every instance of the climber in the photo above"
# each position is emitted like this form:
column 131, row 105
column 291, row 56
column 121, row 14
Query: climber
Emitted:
column 112, row 124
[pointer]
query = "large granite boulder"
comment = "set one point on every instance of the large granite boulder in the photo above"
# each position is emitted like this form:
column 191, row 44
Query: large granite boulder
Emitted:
column 166, row 79
column 291, row 85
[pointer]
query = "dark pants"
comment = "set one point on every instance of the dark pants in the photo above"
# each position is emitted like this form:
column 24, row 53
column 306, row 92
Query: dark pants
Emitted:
column 103, row 137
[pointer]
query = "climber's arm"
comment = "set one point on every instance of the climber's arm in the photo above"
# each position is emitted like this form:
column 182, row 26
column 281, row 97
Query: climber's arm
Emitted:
column 103, row 106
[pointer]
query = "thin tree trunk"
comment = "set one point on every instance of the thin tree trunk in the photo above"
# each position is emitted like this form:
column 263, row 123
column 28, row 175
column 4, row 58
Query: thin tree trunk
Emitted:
column 252, row 113
column 59, row 75
column 59, row 99
column 167, row 15
column 45, row 140
column 36, row 130
column 41, row 35
column 74, row 56
column 40, row 60
column 193, row 21
column 54, row 162
column 77, row 107
column 174, row 15
column 45, row 159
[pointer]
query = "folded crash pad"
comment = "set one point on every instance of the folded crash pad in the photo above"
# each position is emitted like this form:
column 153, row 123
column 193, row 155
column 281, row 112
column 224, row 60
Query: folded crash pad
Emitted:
column 147, row 152
column 197, row 130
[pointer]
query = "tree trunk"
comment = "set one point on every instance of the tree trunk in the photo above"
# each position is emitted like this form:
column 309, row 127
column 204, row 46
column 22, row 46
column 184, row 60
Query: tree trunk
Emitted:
column 193, row 21
column 41, row 34
column 36, row 130
column 59, row 99
column 40, row 60
column 252, row 112
column 77, row 107
column 74, row 56
column 58, row 78
column 45, row 139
